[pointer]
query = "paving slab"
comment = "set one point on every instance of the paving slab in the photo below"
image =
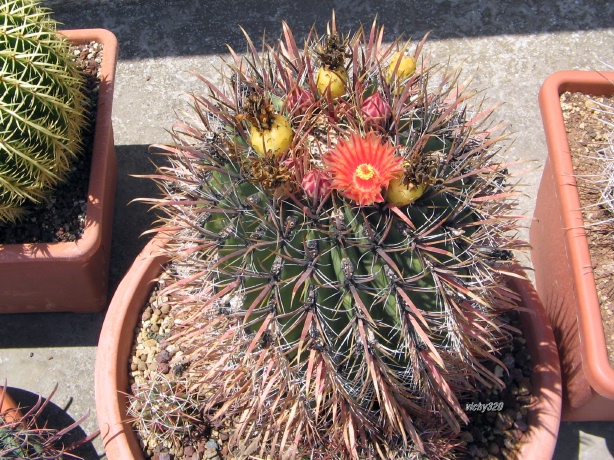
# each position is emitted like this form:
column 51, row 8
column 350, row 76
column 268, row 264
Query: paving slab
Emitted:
column 509, row 47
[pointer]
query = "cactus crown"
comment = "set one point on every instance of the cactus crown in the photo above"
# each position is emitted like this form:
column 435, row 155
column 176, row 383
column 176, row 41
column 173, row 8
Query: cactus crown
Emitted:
column 41, row 108
column 341, row 294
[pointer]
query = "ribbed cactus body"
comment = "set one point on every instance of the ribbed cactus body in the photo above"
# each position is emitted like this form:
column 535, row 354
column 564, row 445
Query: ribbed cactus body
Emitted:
column 18, row 442
column 321, row 317
column 354, row 284
column 41, row 108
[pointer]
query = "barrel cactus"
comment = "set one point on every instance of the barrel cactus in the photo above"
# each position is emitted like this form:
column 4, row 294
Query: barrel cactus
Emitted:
column 41, row 107
column 339, row 252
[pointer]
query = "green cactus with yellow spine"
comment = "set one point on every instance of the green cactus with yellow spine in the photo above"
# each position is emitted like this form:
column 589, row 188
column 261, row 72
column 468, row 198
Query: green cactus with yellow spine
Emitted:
column 41, row 107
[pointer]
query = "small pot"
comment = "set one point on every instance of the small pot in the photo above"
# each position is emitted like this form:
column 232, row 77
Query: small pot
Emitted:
column 117, row 336
column 563, row 269
column 8, row 406
column 72, row 276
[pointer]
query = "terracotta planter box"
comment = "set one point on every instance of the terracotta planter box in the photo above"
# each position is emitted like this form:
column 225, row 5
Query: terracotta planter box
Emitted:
column 72, row 276
column 563, row 274
column 117, row 336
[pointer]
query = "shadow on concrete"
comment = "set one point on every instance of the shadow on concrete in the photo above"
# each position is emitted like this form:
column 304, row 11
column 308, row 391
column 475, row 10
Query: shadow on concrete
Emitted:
column 158, row 28
column 131, row 218
column 33, row 330
column 56, row 418
column 569, row 444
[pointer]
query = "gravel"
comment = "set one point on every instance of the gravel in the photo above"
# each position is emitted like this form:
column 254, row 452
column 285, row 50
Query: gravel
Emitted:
column 497, row 433
column 589, row 123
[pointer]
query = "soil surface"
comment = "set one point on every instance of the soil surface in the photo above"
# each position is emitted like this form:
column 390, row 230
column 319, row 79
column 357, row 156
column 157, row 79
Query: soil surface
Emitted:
column 62, row 217
column 589, row 123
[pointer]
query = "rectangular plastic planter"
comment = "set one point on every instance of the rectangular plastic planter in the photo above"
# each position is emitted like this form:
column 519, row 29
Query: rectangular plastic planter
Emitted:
column 563, row 269
column 72, row 276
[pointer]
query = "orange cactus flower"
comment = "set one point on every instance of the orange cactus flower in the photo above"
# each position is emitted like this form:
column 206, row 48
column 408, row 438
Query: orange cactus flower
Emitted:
column 362, row 167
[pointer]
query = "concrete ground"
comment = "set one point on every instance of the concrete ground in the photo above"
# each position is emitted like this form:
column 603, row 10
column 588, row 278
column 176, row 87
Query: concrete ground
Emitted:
column 509, row 46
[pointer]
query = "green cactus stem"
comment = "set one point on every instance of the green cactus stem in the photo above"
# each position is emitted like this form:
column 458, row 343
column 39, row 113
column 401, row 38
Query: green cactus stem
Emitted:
column 41, row 107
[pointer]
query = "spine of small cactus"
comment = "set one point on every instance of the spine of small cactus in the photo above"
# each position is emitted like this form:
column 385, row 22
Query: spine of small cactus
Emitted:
column 41, row 107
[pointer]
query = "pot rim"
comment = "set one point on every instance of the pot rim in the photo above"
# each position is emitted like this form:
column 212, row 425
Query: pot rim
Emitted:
column 114, row 347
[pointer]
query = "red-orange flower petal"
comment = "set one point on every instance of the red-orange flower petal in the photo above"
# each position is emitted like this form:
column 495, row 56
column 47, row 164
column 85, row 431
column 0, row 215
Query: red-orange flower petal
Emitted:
column 361, row 167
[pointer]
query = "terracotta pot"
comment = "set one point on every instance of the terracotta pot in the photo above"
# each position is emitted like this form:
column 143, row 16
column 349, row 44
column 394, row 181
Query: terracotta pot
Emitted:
column 117, row 336
column 563, row 270
column 114, row 349
column 8, row 406
column 545, row 416
column 72, row 276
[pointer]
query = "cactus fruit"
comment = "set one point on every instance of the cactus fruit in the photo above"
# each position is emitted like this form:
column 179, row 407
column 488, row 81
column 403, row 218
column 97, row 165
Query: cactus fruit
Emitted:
column 400, row 194
column 332, row 77
column 41, row 108
column 401, row 67
column 332, row 80
column 313, row 316
column 276, row 138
